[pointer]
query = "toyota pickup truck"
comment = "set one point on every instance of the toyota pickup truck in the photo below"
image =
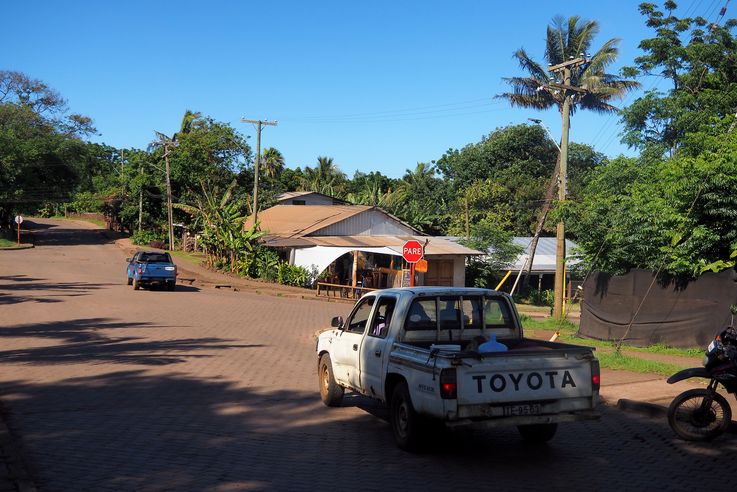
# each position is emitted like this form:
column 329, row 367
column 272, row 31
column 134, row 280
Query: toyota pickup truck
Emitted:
column 423, row 352
column 151, row 268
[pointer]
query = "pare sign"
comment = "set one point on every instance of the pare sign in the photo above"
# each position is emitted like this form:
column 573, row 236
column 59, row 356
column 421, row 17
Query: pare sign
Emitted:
column 412, row 251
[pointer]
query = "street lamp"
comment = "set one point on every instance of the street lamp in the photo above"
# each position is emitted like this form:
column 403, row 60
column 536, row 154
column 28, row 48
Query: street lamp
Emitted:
column 549, row 193
column 547, row 130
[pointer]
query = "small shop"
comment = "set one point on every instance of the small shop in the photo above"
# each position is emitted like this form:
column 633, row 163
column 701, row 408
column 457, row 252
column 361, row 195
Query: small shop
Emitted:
column 353, row 248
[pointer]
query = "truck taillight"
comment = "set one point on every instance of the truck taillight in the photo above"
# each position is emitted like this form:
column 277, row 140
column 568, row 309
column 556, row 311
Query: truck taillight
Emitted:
column 595, row 375
column 448, row 384
column 140, row 269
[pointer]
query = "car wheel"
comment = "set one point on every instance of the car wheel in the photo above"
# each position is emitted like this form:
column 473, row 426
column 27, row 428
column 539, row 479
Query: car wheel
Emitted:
column 331, row 393
column 171, row 285
column 406, row 423
column 130, row 281
column 136, row 284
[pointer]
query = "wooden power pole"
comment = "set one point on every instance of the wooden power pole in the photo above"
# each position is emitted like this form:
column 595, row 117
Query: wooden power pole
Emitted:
column 259, row 123
column 564, row 70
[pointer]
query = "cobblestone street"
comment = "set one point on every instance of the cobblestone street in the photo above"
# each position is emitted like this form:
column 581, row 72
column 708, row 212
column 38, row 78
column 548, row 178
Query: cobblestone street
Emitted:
column 108, row 388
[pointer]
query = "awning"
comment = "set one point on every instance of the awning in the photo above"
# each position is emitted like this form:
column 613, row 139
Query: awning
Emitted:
column 318, row 258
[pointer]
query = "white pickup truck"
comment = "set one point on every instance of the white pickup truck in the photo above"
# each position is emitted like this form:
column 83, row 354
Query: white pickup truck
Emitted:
column 416, row 349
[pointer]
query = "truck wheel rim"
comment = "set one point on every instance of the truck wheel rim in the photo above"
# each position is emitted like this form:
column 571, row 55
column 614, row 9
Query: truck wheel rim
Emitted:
column 325, row 382
column 402, row 420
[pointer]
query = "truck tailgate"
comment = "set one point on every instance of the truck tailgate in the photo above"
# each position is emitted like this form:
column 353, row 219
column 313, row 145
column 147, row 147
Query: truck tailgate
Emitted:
column 510, row 377
column 158, row 270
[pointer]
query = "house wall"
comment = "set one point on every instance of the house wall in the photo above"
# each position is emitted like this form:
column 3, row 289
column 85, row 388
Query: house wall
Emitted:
column 459, row 268
column 368, row 223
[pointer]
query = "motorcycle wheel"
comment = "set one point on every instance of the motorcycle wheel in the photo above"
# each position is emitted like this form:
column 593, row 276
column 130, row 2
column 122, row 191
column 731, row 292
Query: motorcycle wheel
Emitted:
column 693, row 421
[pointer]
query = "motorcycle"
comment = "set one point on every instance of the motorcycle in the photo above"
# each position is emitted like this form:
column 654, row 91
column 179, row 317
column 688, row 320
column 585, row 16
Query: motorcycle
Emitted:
column 703, row 414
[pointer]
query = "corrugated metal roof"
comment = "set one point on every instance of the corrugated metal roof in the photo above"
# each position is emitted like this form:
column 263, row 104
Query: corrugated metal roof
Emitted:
column 545, row 253
column 299, row 220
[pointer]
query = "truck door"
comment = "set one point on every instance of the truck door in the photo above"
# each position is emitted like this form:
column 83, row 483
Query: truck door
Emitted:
column 345, row 352
column 375, row 348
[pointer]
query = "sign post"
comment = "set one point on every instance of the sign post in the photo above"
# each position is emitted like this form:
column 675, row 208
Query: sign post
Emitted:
column 412, row 252
column 19, row 221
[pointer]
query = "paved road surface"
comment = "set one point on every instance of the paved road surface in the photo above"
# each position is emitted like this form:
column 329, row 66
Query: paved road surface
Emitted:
column 115, row 389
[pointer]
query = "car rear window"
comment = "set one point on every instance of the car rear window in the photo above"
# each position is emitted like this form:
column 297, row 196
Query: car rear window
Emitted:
column 156, row 258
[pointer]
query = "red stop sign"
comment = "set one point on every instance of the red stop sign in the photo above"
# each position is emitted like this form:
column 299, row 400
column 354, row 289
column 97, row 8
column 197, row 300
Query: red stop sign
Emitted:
column 412, row 251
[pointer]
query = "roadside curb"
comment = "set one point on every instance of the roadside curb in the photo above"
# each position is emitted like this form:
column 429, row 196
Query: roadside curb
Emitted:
column 655, row 411
column 650, row 409
column 19, row 248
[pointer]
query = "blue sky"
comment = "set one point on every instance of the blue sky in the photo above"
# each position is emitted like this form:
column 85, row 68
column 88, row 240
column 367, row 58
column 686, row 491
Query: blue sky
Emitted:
column 377, row 85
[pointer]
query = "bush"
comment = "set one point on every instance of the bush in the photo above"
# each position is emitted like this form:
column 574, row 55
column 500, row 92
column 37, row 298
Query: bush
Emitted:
column 147, row 238
column 292, row 274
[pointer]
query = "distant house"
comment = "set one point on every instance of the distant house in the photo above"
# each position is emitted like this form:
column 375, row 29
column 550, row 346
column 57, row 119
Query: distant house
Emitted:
column 307, row 198
column 358, row 245
column 543, row 264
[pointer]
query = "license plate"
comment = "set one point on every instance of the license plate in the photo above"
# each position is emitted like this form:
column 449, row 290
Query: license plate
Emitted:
column 521, row 410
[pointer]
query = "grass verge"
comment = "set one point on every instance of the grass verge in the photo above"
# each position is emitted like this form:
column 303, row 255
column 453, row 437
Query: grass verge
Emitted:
column 614, row 360
column 625, row 359
column 7, row 243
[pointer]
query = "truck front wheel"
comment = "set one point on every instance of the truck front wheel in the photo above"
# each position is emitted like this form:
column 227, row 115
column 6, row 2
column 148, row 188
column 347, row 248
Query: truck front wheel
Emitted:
column 406, row 424
column 537, row 433
column 331, row 393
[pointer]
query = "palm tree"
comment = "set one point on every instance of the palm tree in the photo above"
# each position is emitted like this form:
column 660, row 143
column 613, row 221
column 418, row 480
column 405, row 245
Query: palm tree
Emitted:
column 272, row 162
column 584, row 84
column 566, row 40
column 325, row 178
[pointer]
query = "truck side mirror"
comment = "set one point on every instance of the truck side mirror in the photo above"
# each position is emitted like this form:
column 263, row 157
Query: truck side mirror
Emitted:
column 337, row 322
column 128, row 260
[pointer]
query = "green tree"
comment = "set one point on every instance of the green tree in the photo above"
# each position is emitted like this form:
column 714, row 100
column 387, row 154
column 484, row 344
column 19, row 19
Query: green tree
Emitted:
column 699, row 60
column 272, row 162
column 325, row 178
column 41, row 148
column 678, row 215
column 420, row 198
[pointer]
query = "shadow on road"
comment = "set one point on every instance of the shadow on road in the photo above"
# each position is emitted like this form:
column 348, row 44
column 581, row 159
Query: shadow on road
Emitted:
column 130, row 431
column 80, row 341
column 48, row 232
column 20, row 288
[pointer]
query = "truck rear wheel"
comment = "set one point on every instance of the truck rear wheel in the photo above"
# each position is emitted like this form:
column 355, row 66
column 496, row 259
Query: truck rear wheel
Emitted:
column 406, row 424
column 331, row 393
column 136, row 284
column 171, row 285
column 537, row 433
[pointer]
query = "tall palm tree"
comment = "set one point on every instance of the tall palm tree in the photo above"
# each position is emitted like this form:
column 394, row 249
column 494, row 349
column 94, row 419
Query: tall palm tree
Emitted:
column 585, row 84
column 272, row 162
column 566, row 40
column 325, row 178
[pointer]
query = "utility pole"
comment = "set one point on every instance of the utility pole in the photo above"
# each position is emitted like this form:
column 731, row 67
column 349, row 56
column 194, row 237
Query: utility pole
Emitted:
column 259, row 123
column 167, row 143
column 563, row 69
column 140, row 204
column 167, row 150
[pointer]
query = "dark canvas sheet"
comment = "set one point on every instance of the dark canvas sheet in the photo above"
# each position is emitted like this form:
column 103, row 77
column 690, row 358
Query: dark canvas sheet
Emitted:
column 673, row 314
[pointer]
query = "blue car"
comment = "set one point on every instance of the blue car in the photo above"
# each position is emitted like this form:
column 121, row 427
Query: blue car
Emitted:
column 151, row 268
